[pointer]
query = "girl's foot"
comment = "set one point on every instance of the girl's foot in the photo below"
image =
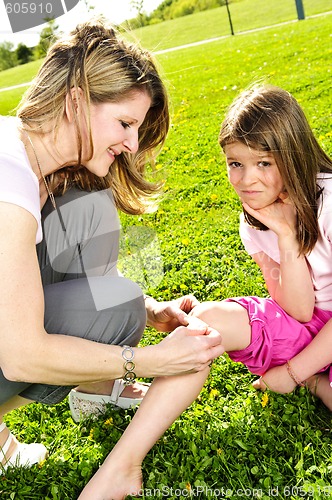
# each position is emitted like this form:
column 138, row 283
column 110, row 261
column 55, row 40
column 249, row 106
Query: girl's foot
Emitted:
column 113, row 482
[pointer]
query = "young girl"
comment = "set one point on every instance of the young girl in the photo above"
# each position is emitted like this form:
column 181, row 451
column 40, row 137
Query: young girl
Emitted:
column 284, row 181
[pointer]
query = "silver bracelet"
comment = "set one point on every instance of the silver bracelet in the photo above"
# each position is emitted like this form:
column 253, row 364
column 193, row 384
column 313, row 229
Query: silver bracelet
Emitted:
column 129, row 365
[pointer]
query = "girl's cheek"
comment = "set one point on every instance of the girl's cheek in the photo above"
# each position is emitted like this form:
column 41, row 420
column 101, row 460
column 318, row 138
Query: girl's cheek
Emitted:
column 233, row 178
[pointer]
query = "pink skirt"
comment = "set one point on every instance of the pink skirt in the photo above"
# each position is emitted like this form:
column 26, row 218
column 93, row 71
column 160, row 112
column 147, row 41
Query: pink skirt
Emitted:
column 275, row 336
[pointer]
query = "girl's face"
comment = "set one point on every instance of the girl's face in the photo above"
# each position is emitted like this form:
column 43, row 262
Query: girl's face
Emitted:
column 253, row 174
column 114, row 128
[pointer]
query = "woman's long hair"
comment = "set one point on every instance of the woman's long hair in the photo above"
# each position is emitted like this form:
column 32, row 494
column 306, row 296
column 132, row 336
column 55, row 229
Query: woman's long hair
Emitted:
column 97, row 60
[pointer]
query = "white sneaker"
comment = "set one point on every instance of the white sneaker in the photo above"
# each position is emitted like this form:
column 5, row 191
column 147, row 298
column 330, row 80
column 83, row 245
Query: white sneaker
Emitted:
column 25, row 455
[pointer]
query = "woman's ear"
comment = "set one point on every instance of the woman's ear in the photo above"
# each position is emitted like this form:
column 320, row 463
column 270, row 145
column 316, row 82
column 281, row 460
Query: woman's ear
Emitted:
column 74, row 103
column 283, row 195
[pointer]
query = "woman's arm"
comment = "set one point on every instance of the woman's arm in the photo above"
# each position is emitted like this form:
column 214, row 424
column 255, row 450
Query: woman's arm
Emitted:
column 28, row 353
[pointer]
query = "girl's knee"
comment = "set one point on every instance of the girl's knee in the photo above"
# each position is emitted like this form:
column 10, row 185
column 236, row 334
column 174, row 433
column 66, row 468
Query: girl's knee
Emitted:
column 205, row 311
column 230, row 319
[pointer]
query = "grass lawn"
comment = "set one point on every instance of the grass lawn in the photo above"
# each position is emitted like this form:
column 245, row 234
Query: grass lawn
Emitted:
column 232, row 442
column 245, row 15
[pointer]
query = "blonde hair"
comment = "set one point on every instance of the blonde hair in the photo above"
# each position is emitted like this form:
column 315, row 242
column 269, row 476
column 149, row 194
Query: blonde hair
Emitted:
column 95, row 59
column 268, row 118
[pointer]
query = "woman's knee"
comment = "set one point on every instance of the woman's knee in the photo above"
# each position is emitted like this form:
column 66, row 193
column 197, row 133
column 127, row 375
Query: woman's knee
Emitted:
column 126, row 310
column 104, row 309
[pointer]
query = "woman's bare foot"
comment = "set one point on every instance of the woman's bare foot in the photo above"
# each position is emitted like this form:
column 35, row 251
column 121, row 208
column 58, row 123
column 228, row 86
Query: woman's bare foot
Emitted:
column 113, row 482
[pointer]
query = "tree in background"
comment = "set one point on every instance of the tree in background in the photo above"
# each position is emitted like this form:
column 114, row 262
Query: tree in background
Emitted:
column 8, row 57
column 138, row 5
column 170, row 9
column 24, row 54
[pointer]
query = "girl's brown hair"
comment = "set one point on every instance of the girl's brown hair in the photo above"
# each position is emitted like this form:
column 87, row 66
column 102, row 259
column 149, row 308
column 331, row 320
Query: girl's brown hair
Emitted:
column 268, row 118
column 106, row 68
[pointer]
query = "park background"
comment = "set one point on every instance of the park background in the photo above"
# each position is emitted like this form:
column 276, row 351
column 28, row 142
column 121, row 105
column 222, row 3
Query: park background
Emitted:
column 232, row 440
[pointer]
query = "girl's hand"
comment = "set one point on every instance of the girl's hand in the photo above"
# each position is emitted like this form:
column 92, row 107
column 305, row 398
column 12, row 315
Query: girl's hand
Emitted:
column 280, row 216
column 166, row 316
column 276, row 379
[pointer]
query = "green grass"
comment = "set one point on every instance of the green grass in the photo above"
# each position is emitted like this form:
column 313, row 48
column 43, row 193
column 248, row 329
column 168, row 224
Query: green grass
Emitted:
column 15, row 76
column 245, row 15
column 231, row 438
column 19, row 74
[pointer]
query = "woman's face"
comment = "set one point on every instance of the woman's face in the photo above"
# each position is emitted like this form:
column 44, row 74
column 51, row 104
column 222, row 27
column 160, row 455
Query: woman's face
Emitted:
column 253, row 174
column 114, row 128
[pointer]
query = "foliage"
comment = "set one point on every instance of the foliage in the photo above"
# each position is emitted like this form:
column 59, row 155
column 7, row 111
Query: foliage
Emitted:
column 89, row 7
column 231, row 439
column 248, row 14
column 138, row 5
column 171, row 9
column 24, row 54
column 8, row 58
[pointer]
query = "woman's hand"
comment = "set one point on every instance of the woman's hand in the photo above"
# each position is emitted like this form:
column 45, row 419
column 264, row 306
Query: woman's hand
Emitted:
column 188, row 349
column 276, row 379
column 166, row 316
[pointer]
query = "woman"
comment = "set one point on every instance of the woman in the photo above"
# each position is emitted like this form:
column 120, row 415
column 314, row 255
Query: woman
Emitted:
column 94, row 116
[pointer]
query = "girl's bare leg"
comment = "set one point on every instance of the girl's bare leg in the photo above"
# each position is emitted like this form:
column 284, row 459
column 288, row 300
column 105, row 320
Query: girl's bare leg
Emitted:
column 120, row 474
column 167, row 398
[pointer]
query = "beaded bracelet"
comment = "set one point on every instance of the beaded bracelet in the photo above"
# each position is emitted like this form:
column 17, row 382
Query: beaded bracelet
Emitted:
column 293, row 376
column 129, row 366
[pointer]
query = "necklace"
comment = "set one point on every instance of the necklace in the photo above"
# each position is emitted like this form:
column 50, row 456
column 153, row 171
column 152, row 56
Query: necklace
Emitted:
column 49, row 192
